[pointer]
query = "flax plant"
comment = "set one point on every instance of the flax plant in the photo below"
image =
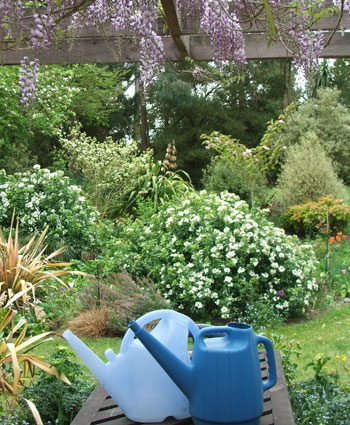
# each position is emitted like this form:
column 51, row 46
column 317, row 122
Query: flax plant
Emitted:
column 22, row 269
column 17, row 367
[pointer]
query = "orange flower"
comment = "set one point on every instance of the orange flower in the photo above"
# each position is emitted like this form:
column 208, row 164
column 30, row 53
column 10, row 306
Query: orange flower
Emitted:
column 331, row 240
column 344, row 236
column 338, row 238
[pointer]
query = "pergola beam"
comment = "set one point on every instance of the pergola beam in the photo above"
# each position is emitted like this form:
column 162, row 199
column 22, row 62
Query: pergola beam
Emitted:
column 172, row 21
column 180, row 41
column 100, row 50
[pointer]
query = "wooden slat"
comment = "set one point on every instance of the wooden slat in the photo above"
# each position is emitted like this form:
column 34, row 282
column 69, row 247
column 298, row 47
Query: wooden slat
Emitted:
column 282, row 409
column 100, row 409
column 106, row 51
column 90, row 407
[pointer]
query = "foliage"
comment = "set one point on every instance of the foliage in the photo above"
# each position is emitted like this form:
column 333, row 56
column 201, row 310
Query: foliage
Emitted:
column 88, row 93
column 182, row 108
column 44, row 199
column 56, row 400
column 340, row 75
column 57, row 303
column 108, row 304
column 322, row 399
column 329, row 119
column 111, row 169
column 24, row 136
column 241, row 170
column 159, row 185
column 209, row 255
column 260, row 315
column 308, row 174
column 338, row 265
column 324, row 215
column 225, row 175
column 17, row 367
column 250, row 176
column 24, row 269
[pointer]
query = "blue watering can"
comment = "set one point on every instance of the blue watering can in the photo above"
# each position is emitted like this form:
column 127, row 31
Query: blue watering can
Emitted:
column 223, row 383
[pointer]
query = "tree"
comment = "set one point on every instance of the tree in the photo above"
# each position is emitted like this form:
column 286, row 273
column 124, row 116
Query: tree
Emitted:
column 88, row 93
column 330, row 121
column 182, row 108
column 308, row 174
column 341, row 76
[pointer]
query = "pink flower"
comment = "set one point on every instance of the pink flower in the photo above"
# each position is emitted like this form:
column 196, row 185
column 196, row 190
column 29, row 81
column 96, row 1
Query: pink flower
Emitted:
column 343, row 271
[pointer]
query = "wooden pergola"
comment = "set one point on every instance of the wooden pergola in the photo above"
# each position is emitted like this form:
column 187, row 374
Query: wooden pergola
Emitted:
column 180, row 41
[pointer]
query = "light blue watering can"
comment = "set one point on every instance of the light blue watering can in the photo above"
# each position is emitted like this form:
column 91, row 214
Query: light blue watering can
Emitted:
column 223, row 383
column 133, row 378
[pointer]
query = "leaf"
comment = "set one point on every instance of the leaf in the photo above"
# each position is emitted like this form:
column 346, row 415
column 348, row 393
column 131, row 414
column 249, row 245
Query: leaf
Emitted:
column 15, row 367
column 35, row 412
column 270, row 18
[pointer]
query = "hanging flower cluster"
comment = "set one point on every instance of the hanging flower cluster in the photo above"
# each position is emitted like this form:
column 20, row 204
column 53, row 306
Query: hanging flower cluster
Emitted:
column 28, row 80
column 223, row 21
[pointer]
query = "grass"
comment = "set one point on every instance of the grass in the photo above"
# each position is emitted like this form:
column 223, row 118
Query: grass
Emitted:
column 327, row 333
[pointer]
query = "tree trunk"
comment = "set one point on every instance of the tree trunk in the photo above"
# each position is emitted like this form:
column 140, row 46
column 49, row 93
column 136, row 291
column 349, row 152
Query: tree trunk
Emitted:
column 136, row 122
column 287, row 74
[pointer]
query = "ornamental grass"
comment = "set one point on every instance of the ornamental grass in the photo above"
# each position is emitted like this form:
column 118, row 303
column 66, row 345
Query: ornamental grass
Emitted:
column 22, row 269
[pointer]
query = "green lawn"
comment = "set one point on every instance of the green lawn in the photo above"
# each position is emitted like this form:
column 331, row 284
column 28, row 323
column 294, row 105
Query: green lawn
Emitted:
column 328, row 333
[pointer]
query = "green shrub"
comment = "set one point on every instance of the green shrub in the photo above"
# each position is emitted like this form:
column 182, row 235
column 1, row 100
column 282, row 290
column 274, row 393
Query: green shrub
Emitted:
column 321, row 400
column 330, row 121
column 111, row 169
column 313, row 217
column 227, row 175
column 56, row 400
column 40, row 199
column 211, row 256
column 308, row 174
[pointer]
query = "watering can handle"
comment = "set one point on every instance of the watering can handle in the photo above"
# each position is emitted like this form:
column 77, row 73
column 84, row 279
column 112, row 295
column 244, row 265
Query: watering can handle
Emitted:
column 270, row 354
column 150, row 317
column 212, row 330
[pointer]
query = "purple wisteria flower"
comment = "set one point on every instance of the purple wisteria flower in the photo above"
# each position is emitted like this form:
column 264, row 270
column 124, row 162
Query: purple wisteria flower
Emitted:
column 222, row 21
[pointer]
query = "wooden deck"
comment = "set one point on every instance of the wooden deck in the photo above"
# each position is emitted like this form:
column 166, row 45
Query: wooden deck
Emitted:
column 101, row 409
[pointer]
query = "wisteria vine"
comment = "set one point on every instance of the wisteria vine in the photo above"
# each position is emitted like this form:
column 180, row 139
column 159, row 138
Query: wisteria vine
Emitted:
column 39, row 23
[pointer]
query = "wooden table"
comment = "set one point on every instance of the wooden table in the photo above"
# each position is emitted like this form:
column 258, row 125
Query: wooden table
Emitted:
column 101, row 409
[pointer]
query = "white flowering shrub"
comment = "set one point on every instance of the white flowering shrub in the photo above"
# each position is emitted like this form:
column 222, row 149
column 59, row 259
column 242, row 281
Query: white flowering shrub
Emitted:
column 212, row 256
column 42, row 198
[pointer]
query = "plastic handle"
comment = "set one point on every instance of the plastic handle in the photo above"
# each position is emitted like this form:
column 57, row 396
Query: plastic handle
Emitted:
column 271, row 361
column 155, row 315
column 214, row 331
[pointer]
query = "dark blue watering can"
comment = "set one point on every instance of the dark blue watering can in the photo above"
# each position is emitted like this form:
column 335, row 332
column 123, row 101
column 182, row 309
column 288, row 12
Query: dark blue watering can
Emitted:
column 223, row 383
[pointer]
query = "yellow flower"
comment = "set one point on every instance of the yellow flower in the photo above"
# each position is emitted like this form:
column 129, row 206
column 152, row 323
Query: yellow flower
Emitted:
column 337, row 357
column 344, row 358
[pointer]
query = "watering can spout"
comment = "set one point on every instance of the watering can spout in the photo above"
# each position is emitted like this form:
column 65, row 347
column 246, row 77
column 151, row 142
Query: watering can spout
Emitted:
column 178, row 371
column 93, row 362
